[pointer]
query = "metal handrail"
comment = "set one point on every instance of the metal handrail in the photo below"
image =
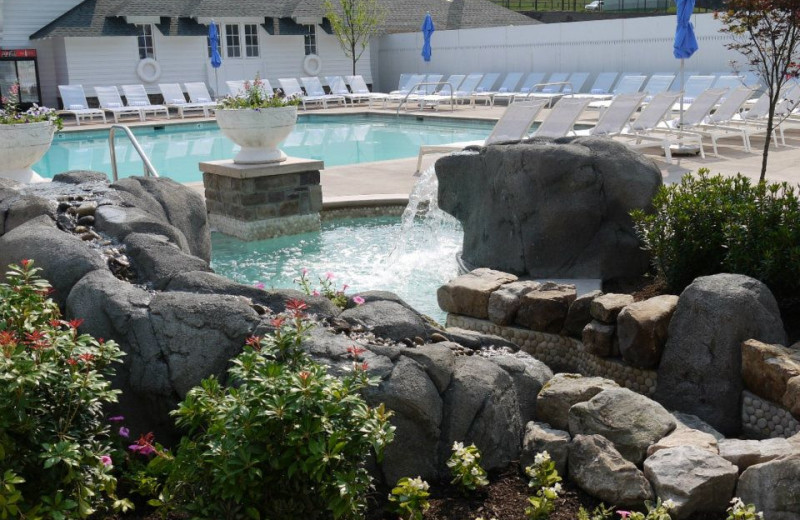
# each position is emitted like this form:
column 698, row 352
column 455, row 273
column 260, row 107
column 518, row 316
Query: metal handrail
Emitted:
column 149, row 169
column 425, row 84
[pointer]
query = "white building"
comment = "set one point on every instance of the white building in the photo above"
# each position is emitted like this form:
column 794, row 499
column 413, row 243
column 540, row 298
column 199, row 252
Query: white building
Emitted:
column 113, row 42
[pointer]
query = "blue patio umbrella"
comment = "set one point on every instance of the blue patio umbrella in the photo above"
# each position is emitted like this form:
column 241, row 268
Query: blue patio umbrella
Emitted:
column 685, row 42
column 427, row 31
column 216, row 59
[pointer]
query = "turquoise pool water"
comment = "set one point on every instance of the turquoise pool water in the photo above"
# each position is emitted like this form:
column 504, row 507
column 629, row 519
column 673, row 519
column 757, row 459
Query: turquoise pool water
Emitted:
column 367, row 254
column 175, row 150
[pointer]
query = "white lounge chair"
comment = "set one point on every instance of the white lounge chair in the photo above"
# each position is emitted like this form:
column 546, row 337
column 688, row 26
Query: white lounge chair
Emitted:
column 291, row 87
column 575, row 82
column 411, row 91
column 628, row 84
column 198, row 93
column 718, row 125
column 74, row 100
column 359, row 88
column 693, row 87
column 338, row 87
column 174, row 98
column 562, row 118
column 617, row 116
column 551, row 91
column 445, row 93
column 657, row 84
column 314, row 88
column 487, row 82
column 509, row 84
column 601, row 88
column 528, row 86
column 645, row 131
column 136, row 96
column 110, row 101
column 235, row 87
column 513, row 125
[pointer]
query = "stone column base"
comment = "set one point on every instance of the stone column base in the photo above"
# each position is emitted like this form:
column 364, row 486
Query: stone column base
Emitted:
column 265, row 228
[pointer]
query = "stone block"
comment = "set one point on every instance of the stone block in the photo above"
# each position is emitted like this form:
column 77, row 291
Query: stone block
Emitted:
column 541, row 437
column 746, row 453
column 562, row 392
column 469, row 294
column 598, row 338
column 766, row 369
column 545, row 309
column 505, row 301
column 578, row 316
column 606, row 307
column 642, row 330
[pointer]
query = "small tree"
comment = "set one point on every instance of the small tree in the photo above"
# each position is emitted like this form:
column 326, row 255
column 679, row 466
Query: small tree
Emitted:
column 767, row 34
column 354, row 22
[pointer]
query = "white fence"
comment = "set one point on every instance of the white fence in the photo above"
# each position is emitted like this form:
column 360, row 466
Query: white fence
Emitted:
column 642, row 45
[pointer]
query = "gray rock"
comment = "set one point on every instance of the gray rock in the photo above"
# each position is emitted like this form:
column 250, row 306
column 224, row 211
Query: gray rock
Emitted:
column 597, row 468
column 481, row 407
column 694, row 479
column 562, row 392
column 476, row 340
column 157, row 260
column 700, row 369
column 438, row 360
column 529, row 375
column 693, row 422
column 686, row 437
column 387, row 319
column 746, row 453
column 578, row 316
column 505, row 301
column 598, row 338
column 411, row 394
column 172, row 203
column 80, row 177
column 545, row 309
column 469, row 293
column 276, row 300
column 20, row 209
column 541, row 437
column 550, row 210
column 630, row 420
column 63, row 258
column 642, row 330
column 774, row 488
column 607, row 307
column 118, row 222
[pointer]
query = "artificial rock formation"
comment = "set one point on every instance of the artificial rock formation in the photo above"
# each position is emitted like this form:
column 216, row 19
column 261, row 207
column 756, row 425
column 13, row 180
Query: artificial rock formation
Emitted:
column 550, row 209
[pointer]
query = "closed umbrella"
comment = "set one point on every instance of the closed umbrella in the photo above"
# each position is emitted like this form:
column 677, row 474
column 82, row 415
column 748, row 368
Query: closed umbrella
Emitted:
column 216, row 59
column 685, row 42
column 427, row 31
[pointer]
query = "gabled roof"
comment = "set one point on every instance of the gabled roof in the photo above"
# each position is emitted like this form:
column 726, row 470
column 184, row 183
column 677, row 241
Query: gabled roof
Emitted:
column 108, row 17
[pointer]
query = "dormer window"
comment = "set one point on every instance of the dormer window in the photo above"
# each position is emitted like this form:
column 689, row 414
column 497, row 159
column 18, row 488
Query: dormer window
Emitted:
column 145, row 40
column 310, row 39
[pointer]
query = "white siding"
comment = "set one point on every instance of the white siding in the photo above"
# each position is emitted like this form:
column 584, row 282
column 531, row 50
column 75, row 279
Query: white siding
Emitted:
column 625, row 45
column 21, row 18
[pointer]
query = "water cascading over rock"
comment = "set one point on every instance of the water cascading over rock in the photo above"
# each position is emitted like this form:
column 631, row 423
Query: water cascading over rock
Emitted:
column 550, row 209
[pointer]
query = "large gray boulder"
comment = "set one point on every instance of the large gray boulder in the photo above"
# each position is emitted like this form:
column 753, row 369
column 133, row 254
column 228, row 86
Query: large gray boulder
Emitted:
column 745, row 453
column 630, row 420
column 529, row 376
column 388, row 319
column 701, row 368
column 119, row 221
column 158, row 260
column 19, row 208
column 481, row 406
column 173, row 203
column 597, row 467
column 562, row 392
column 695, row 479
column 774, row 488
column 550, row 210
column 63, row 258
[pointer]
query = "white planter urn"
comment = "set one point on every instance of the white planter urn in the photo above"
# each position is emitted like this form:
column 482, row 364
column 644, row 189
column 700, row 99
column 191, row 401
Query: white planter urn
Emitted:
column 21, row 146
column 258, row 132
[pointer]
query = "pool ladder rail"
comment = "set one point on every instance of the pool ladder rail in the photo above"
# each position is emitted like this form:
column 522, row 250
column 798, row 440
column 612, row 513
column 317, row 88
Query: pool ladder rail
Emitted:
column 149, row 169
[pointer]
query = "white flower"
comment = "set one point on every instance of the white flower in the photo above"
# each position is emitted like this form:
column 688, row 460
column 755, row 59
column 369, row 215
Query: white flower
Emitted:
column 418, row 484
column 737, row 503
column 475, row 471
column 541, row 458
column 458, row 446
column 557, row 488
column 668, row 504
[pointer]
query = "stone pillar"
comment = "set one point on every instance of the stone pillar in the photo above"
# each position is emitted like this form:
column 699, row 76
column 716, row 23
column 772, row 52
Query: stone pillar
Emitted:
column 257, row 201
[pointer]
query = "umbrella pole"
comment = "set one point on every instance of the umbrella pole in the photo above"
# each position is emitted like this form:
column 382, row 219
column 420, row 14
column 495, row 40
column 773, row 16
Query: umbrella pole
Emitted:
column 216, row 80
column 683, row 86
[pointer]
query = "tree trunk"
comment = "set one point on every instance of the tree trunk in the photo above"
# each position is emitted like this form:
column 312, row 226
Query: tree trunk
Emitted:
column 353, row 54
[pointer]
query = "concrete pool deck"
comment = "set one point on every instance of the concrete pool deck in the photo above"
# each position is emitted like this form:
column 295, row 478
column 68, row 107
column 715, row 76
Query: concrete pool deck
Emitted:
column 390, row 182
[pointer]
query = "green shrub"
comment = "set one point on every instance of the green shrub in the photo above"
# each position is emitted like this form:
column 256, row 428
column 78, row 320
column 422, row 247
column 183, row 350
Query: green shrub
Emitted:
column 546, row 482
column 54, row 443
column 714, row 224
column 286, row 440
column 409, row 498
column 465, row 467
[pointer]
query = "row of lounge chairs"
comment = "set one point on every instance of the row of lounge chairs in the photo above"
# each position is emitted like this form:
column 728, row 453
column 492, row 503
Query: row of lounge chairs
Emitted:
column 656, row 125
column 137, row 102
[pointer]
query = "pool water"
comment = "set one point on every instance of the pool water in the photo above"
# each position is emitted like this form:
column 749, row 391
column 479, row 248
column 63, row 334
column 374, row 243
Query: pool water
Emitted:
column 366, row 254
column 176, row 150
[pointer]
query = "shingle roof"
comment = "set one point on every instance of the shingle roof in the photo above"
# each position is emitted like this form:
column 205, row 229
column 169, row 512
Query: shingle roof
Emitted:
column 106, row 17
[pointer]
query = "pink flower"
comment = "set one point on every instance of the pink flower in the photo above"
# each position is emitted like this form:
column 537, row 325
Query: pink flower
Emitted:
column 116, row 418
column 624, row 514
column 124, row 432
column 315, row 293
column 106, row 460
column 344, row 287
column 329, row 275
column 358, row 300
column 259, row 285
column 145, row 449
column 304, row 271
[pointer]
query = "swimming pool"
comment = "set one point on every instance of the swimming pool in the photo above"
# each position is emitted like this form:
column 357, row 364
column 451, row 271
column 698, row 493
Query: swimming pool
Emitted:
column 366, row 254
column 175, row 150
